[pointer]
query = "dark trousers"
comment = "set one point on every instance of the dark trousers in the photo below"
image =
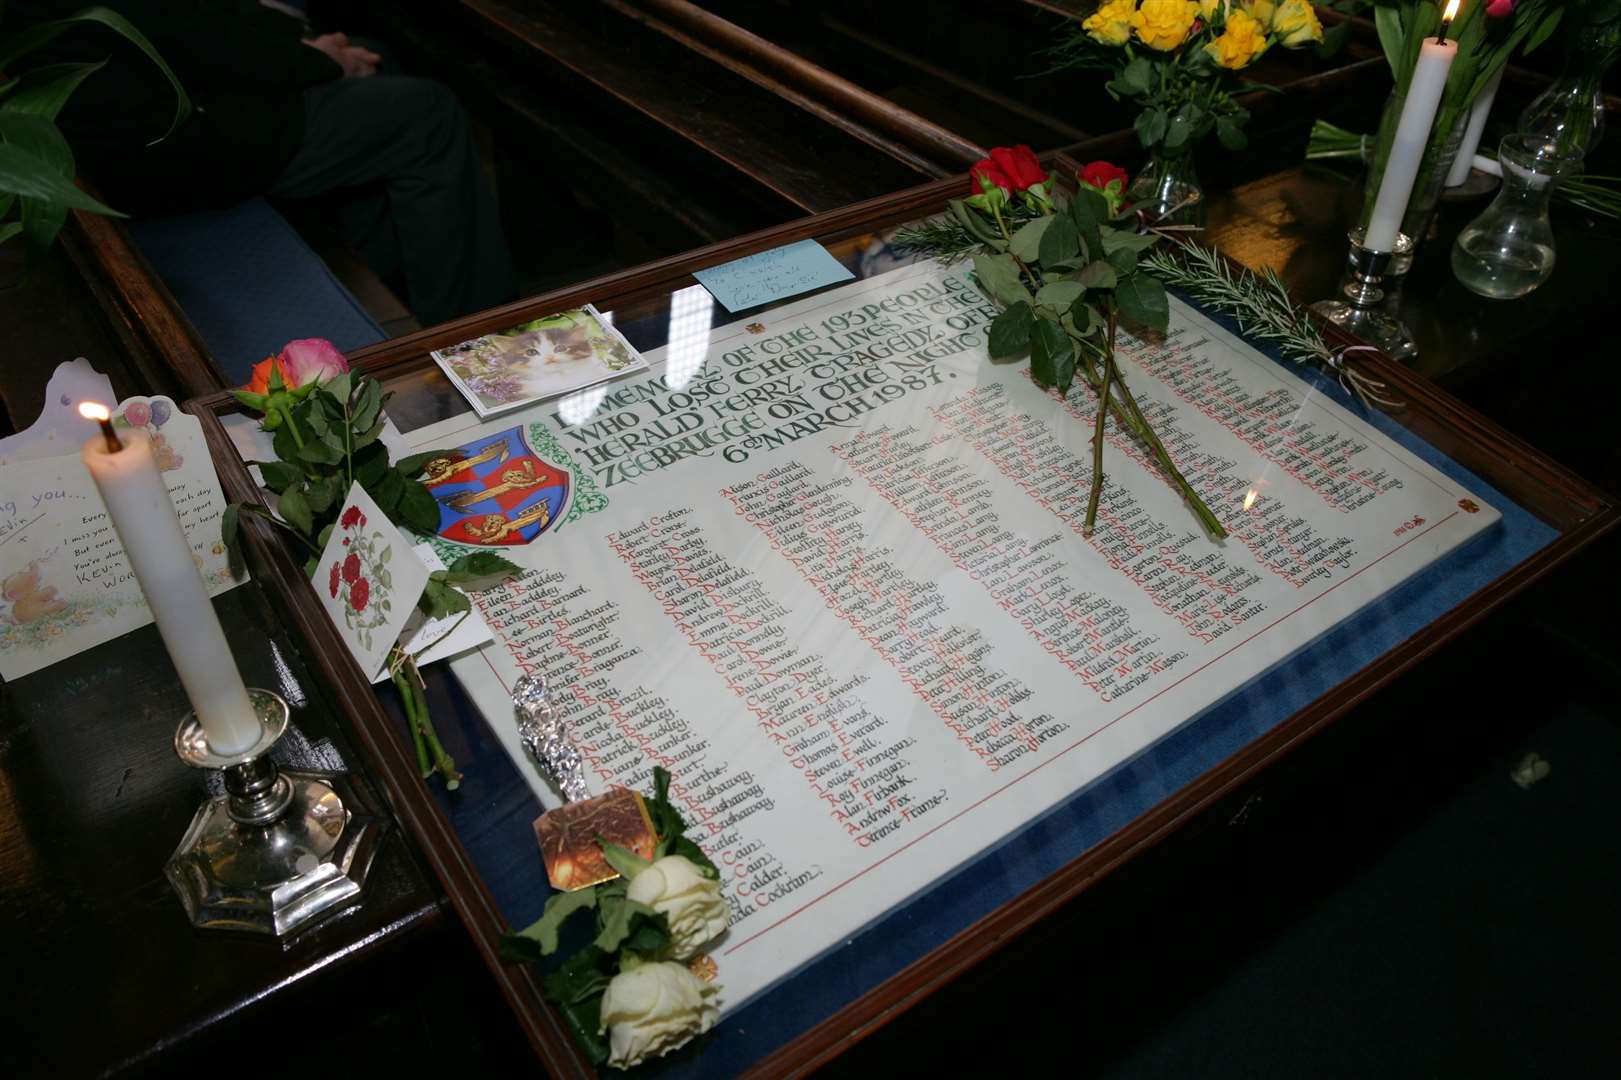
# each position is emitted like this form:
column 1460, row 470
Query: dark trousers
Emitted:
column 413, row 198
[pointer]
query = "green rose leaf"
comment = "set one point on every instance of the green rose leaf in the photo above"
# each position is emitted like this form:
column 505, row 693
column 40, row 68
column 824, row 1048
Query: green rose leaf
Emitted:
column 977, row 226
column 1059, row 295
column 539, row 938
column 412, row 466
column 1151, row 125
column 615, row 918
column 1124, row 262
column 1061, row 241
column 1230, row 135
column 440, row 599
column 320, row 453
column 418, row 508
column 387, row 492
column 1143, row 302
column 1010, row 331
column 1081, row 315
column 1137, row 77
column 999, row 275
column 368, row 437
column 622, row 859
column 1127, row 240
column 295, row 510
column 338, row 387
column 481, row 570
column 1098, row 275
column 1052, row 356
column 1026, row 243
column 1177, row 131
column 1089, row 210
column 278, row 475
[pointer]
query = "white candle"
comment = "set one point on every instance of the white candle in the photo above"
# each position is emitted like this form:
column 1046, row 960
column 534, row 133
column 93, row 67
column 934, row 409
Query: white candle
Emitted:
column 1412, row 135
column 138, row 503
column 1478, row 112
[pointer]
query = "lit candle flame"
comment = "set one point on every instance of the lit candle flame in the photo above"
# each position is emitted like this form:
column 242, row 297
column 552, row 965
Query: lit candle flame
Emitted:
column 1451, row 12
column 95, row 410
column 1249, row 499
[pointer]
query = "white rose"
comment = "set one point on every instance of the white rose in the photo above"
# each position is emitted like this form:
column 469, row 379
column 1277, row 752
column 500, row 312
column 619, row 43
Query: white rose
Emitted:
column 653, row 1009
column 675, row 887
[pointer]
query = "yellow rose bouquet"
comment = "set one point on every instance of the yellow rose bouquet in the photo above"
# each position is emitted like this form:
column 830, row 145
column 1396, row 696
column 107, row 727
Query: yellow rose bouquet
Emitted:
column 1175, row 59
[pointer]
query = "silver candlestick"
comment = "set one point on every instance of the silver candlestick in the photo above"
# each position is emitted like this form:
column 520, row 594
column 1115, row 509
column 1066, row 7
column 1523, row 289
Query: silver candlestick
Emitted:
column 1364, row 289
column 280, row 848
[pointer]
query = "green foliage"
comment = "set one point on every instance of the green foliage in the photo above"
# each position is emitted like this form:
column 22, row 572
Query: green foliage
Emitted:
column 36, row 164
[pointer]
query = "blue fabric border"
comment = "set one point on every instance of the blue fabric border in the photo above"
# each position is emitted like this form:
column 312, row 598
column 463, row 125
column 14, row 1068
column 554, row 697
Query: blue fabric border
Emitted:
column 493, row 810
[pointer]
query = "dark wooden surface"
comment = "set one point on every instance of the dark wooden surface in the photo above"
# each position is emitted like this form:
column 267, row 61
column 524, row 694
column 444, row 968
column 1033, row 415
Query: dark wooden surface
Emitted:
column 1579, row 512
column 106, row 974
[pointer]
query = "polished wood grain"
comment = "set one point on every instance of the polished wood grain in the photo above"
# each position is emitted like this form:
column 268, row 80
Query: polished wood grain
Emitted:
column 1580, row 513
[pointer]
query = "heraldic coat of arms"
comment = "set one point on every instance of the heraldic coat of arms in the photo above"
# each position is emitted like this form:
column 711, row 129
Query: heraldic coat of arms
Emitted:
column 496, row 490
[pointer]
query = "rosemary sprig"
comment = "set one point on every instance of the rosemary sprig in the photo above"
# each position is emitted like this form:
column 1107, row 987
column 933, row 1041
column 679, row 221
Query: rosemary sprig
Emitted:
column 1263, row 310
column 943, row 238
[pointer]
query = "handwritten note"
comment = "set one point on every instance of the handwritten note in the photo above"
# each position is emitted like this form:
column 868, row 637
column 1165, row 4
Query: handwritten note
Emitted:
column 772, row 275
column 65, row 583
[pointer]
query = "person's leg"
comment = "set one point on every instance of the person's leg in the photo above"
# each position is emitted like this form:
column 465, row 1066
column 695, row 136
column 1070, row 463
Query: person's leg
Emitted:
column 411, row 136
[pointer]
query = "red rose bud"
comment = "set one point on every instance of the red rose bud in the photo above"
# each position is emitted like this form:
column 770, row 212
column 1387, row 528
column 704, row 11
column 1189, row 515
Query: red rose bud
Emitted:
column 1019, row 165
column 987, row 174
column 1107, row 179
column 351, row 568
column 359, row 593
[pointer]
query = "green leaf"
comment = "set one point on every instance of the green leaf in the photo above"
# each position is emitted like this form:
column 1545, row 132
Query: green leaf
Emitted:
column 230, row 524
column 999, row 276
column 387, row 492
column 1026, row 243
column 322, row 493
column 1230, row 135
column 539, row 938
column 1052, row 355
column 1151, row 125
column 369, row 403
column 1143, row 302
column 368, row 437
column 326, row 534
column 1089, row 210
column 41, row 33
column 295, row 509
column 579, row 977
column 319, row 453
column 1059, row 295
column 1010, row 331
column 622, row 859
column 1124, row 262
column 412, row 466
column 480, row 570
column 1127, row 240
column 418, row 509
column 32, row 177
column 977, row 226
column 1061, row 241
column 279, row 475
column 1178, row 131
column 439, row 599
column 44, row 90
column 614, row 922
column 338, row 388
column 370, row 464
column 1136, row 77
column 1097, row 275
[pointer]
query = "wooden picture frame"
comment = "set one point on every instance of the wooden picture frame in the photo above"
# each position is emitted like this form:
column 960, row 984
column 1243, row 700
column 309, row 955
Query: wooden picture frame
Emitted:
column 1575, row 509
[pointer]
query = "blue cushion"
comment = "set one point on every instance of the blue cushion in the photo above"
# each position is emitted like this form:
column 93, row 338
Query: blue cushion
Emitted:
column 250, row 284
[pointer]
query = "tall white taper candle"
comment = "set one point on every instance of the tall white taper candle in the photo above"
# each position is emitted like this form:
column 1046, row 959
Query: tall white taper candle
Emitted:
column 1478, row 113
column 138, row 502
column 1407, row 149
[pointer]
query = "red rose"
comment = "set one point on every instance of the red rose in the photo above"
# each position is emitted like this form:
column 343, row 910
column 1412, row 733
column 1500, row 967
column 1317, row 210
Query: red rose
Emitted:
column 988, row 171
column 1019, row 165
column 333, row 584
column 350, row 516
column 1099, row 173
column 358, row 593
column 351, row 568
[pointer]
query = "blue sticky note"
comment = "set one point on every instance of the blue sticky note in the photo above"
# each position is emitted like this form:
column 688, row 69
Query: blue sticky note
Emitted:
column 772, row 275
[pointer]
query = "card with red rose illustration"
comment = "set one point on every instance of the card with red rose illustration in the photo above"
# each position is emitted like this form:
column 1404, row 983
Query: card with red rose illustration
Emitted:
column 368, row 580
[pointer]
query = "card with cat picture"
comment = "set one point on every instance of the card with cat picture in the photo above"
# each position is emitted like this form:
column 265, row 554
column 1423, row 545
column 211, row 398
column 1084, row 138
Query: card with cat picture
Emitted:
column 539, row 359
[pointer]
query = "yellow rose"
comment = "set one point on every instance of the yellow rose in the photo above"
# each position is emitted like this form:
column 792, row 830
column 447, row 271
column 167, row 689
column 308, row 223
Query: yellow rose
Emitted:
column 1240, row 42
column 1207, row 8
column 1295, row 23
column 1164, row 24
column 1261, row 11
column 1111, row 23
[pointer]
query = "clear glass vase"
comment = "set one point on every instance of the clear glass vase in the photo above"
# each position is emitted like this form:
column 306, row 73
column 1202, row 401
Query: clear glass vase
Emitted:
column 1570, row 113
column 1168, row 190
column 1508, row 251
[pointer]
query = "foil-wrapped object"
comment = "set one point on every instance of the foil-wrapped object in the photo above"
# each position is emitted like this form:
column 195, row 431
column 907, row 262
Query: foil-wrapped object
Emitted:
column 546, row 738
